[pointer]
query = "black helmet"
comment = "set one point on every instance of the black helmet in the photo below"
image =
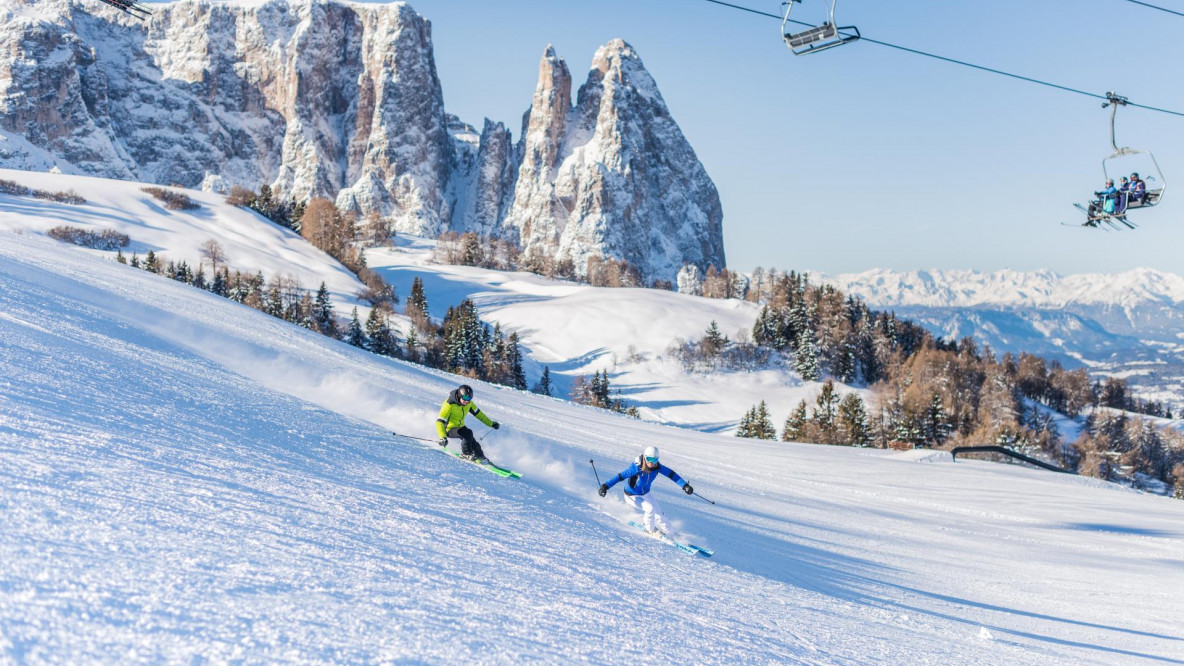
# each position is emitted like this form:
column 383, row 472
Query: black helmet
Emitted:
column 465, row 392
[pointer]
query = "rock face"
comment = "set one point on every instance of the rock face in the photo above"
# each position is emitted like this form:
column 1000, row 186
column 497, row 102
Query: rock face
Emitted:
column 613, row 175
column 319, row 98
column 311, row 97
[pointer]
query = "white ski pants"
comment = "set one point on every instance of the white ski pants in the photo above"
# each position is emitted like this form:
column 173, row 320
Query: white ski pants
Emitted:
column 653, row 516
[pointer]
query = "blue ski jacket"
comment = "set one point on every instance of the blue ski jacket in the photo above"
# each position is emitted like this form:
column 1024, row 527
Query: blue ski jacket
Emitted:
column 639, row 480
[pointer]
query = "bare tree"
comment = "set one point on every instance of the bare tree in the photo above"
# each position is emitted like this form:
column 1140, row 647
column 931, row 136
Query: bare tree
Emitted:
column 213, row 251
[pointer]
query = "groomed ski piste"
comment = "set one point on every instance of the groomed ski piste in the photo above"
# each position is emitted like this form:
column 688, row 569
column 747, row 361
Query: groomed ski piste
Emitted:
column 183, row 479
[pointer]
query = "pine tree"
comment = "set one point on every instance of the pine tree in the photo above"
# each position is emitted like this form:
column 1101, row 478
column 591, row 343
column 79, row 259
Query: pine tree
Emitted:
column 762, row 425
column 795, row 425
column 826, row 410
column 417, row 302
column 936, row 428
column 180, row 272
column 218, row 286
column 411, row 346
column 544, row 386
column 745, row 429
column 768, row 330
column 381, row 337
column 323, row 313
column 806, row 358
column 714, row 342
column 199, row 278
column 355, row 335
column 852, row 421
column 274, row 304
column 514, row 359
column 598, row 390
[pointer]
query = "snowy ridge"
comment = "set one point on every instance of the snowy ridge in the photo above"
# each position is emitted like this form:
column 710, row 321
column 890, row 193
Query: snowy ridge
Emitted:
column 183, row 477
column 1043, row 289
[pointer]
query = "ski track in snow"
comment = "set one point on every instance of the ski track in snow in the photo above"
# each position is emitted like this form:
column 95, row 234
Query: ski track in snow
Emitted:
column 186, row 479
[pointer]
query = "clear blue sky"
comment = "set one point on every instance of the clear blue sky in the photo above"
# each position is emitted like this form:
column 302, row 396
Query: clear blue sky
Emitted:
column 866, row 157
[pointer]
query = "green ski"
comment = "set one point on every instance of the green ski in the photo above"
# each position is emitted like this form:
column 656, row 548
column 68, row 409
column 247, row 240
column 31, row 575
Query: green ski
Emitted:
column 486, row 465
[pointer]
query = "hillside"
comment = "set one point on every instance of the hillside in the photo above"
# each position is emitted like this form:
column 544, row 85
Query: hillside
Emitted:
column 633, row 327
column 183, row 477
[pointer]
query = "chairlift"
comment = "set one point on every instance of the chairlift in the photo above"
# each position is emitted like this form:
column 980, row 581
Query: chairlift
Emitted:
column 817, row 38
column 1108, row 210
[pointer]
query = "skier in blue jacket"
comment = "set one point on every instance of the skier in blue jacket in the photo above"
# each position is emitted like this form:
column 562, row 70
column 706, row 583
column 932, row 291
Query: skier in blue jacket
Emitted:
column 639, row 476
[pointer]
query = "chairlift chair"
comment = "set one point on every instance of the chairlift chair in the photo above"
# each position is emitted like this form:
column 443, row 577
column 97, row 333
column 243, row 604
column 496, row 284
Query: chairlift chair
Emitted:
column 1115, row 209
column 816, row 38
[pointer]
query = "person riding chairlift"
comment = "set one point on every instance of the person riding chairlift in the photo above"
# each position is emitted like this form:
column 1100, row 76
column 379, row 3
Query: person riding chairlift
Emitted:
column 1138, row 190
column 1105, row 201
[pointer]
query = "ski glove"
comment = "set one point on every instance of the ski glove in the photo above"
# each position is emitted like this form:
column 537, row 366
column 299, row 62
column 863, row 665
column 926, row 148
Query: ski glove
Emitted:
column 443, row 441
column 496, row 425
column 688, row 489
column 603, row 489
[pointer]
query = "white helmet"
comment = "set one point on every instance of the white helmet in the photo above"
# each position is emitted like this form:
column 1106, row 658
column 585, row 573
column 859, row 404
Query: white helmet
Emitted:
column 650, row 454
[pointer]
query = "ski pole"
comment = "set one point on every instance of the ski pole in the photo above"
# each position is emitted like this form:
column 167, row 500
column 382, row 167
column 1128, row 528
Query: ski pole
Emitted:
column 399, row 434
column 593, row 463
column 703, row 498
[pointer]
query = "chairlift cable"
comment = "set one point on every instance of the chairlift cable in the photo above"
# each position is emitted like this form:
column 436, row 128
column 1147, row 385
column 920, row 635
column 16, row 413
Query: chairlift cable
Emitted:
column 1151, row 6
column 954, row 61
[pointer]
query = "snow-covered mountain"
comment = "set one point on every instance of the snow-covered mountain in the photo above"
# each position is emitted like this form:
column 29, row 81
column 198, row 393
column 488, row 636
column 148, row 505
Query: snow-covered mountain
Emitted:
column 1129, row 324
column 342, row 100
column 1009, row 288
column 184, row 479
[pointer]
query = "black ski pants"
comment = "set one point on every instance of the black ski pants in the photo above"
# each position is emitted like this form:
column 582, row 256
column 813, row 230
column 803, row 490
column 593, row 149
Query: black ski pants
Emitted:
column 468, row 444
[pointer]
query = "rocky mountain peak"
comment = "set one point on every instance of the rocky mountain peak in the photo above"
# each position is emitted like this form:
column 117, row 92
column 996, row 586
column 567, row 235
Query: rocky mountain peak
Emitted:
column 614, row 177
column 342, row 100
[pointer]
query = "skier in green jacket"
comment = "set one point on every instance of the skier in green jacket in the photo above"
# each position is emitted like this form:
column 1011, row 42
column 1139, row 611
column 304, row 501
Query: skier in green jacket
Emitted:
column 452, row 422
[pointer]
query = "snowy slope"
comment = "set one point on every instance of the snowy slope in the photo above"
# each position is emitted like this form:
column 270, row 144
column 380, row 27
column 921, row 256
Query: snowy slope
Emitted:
column 579, row 330
column 251, row 242
column 633, row 327
column 183, row 479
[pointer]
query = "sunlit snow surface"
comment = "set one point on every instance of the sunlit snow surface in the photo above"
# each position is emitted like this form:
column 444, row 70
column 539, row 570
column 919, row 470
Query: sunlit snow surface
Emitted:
column 185, row 479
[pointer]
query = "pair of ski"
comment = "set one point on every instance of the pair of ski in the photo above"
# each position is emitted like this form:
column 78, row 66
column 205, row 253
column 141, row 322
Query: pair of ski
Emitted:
column 683, row 546
column 483, row 464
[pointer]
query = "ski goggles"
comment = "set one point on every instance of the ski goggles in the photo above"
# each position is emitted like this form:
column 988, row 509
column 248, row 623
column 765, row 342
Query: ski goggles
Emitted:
column 466, row 398
column 653, row 460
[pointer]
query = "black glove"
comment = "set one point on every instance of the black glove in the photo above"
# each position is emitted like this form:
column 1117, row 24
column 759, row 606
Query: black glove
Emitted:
column 688, row 489
column 443, row 441
column 603, row 489
column 496, row 425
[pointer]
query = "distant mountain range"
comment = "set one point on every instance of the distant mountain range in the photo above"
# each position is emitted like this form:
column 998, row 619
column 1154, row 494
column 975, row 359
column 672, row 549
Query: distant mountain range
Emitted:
column 1128, row 324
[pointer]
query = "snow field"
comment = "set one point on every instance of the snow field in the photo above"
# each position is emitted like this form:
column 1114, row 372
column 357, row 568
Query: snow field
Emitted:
column 185, row 479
